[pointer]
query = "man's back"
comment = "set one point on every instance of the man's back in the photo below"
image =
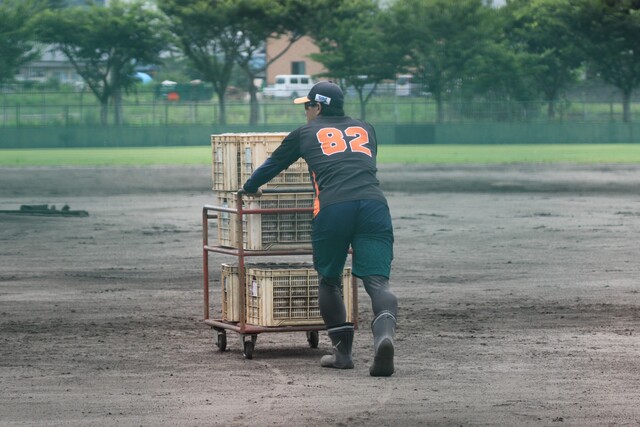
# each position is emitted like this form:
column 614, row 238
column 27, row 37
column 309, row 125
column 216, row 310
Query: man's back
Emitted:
column 341, row 154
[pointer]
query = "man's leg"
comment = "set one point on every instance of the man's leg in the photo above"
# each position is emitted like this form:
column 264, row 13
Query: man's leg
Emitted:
column 330, row 300
column 382, row 299
column 332, row 230
column 373, row 253
column 334, row 315
column 383, row 326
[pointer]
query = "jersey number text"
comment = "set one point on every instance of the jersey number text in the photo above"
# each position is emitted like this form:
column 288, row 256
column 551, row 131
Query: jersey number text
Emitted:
column 332, row 140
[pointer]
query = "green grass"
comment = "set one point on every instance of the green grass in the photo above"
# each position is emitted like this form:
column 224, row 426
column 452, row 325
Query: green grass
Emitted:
column 145, row 156
column 497, row 154
column 417, row 154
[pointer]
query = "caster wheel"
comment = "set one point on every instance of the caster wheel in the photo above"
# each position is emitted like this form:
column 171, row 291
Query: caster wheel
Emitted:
column 313, row 339
column 248, row 349
column 222, row 341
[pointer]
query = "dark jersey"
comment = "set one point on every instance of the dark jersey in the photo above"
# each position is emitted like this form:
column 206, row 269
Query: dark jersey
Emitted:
column 341, row 154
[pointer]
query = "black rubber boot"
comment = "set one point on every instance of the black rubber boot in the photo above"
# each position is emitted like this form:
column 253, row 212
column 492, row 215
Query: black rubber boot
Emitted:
column 342, row 340
column 384, row 331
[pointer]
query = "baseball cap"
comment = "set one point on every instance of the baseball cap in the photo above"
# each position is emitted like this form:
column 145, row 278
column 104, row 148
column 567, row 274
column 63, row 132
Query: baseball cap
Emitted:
column 327, row 93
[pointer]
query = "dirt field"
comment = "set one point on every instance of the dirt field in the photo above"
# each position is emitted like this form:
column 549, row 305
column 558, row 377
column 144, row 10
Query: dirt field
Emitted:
column 518, row 289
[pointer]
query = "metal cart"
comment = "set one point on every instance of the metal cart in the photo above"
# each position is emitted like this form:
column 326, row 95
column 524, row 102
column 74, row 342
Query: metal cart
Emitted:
column 248, row 332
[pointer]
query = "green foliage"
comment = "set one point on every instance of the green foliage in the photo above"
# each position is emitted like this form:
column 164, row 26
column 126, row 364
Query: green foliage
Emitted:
column 355, row 47
column 217, row 35
column 608, row 32
column 446, row 41
column 16, row 42
column 105, row 44
column 462, row 51
column 207, row 34
column 547, row 53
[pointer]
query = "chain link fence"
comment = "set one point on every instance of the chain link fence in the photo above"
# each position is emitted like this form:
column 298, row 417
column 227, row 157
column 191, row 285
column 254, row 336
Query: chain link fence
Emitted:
column 73, row 108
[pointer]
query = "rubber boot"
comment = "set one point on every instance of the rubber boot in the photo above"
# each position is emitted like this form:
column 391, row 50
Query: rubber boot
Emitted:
column 384, row 330
column 342, row 340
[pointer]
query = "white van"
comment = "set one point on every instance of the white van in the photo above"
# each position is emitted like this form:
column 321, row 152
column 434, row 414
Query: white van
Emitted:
column 404, row 85
column 289, row 86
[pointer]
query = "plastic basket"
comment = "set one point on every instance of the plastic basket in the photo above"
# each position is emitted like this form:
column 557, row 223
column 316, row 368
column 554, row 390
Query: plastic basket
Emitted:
column 237, row 155
column 267, row 231
column 287, row 294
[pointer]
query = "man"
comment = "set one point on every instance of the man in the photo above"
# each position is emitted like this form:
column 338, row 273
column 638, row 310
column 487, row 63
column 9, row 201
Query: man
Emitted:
column 349, row 210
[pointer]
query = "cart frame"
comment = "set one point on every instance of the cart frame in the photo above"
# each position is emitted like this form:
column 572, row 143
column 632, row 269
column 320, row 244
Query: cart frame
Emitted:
column 249, row 332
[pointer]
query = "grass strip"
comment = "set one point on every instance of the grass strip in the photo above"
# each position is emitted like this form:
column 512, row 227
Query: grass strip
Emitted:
column 404, row 154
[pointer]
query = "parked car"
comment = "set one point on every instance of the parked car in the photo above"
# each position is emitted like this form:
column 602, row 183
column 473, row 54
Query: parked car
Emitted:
column 405, row 86
column 289, row 86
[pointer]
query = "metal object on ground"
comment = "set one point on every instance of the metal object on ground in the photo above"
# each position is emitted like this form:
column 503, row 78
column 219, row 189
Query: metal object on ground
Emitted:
column 45, row 210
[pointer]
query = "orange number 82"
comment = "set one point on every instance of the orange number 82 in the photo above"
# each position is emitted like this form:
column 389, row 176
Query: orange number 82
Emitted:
column 332, row 140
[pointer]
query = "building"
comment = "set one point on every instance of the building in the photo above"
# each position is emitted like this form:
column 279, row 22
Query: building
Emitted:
column 295, row 61
column 52, row 65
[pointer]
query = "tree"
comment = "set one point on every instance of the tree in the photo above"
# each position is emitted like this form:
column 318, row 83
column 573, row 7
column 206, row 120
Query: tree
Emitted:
column 264, row 20
column 16, row 43
column 215, row 35
column 608, row 32
column 105, row 44
column 205, row 34
column 444, row 39
column 355, row 48
column 535, row 29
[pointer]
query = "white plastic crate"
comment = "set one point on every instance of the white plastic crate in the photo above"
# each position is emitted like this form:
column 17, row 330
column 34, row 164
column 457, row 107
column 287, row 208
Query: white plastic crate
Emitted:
column 287, row 294
column 237, row 155
column 267, row 231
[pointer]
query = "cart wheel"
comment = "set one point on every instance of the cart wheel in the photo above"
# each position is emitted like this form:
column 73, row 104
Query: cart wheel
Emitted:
column 248, row 349
column 222, row 341
column 313, row 339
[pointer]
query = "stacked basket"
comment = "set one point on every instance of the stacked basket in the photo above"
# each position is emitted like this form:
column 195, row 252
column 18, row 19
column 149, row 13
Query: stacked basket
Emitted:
column 275, row 294
column 235, row 157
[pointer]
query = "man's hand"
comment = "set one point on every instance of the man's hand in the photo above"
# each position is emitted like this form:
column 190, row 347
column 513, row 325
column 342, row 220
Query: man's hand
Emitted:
column 256, row 194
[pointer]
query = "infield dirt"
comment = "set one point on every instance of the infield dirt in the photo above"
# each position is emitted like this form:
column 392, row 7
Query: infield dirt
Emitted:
column 517, row 284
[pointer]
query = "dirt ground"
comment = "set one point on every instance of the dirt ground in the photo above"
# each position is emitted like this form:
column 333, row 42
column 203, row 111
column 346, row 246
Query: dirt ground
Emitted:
column 518, row 290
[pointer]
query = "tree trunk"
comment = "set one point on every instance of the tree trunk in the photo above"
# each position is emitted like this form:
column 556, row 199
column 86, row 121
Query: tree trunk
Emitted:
column 363, row 105
column 626, row 101
column 104, row 111
column 117, row 108
column 222, row 113
column 551, row 109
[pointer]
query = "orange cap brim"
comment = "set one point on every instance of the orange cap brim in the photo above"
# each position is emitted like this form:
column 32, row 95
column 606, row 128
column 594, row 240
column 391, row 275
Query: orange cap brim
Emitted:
column 301, row 100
